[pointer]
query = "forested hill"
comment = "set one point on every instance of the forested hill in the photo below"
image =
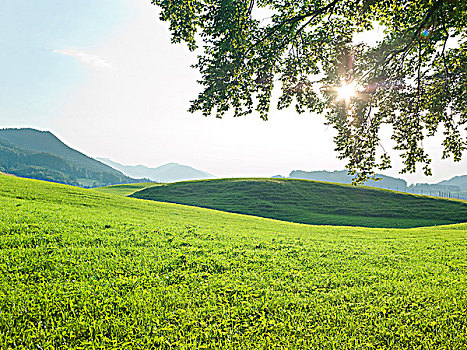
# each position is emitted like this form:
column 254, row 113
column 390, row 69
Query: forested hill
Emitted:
column 459, row 181
column 41, row 155
column 45, row 141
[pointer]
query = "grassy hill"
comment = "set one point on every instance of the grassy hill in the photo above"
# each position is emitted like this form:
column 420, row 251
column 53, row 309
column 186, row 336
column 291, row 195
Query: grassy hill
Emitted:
column 126, row 189
column 311, row 202
column 82, row 269
column 41, row 155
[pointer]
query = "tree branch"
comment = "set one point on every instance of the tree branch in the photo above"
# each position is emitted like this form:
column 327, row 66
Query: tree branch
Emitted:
column 250, row 8
column 391, row 55
column 292, row 20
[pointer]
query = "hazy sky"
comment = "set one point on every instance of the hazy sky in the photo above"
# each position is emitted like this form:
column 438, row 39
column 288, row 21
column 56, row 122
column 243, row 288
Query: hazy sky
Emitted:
column 103, row 76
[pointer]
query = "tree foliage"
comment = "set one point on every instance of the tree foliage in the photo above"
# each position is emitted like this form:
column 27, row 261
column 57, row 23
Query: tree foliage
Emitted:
column 414, row 79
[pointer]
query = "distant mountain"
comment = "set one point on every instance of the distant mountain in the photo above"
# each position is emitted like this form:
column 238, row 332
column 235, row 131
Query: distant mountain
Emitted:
column 433, row 189
column 41, row 155
column 452, row 188
column 171, row 172
column 459, row 181
column 341, row 176
column 455, row 187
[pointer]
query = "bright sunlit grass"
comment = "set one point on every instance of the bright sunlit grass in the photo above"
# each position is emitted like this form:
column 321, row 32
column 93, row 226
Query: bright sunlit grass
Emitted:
column 82, row 269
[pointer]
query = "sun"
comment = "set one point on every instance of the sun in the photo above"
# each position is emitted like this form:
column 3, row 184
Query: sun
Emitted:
column 346, row 91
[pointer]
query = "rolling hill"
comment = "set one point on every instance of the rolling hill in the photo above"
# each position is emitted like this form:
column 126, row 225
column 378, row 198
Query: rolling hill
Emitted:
column 82, row 269
column 311, row 202
column 171, row 172
column 41, row 155
column 125, row 189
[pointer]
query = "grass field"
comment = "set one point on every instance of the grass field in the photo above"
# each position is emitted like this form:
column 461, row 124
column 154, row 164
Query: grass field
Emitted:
column 125, row 189
column 81, row 269
column 312, row 202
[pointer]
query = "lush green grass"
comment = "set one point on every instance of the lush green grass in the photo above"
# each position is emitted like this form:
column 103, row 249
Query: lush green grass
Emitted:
column 312, row 202
column 125, row 189
column 82, row 270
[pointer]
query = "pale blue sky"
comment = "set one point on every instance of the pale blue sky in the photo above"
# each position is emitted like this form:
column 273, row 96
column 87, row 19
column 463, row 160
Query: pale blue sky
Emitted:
column 33, row 77
column 103, row 76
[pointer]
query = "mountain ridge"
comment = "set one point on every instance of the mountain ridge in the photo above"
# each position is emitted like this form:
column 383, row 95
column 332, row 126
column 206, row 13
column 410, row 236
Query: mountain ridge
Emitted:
column 341, row 176
column 41, row 155
column 170, row 172
column 456, row 185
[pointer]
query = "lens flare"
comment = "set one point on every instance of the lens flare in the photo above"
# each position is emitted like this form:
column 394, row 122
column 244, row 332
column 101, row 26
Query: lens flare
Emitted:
column 346, row 91
column 425, row 33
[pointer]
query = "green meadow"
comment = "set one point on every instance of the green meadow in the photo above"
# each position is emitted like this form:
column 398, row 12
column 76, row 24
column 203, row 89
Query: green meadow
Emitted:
column 312, row 202
column 81, row 269
column 125, row 189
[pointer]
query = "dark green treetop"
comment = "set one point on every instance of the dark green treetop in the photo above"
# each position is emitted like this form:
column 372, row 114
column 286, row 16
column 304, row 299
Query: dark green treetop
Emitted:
column 414, row 79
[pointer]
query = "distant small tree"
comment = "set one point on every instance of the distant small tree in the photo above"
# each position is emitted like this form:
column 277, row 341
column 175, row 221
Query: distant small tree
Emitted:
column 414, row 79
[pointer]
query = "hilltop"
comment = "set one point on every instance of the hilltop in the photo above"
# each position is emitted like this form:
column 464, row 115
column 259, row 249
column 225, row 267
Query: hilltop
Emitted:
column 125, row 189
column 41, row 155
column 170, row 172
column 311, row 202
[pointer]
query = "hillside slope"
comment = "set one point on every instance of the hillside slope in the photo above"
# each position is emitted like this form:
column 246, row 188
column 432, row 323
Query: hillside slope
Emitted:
column 85, row 270
column 170, row 172
column 125, row 189
column 41, row 155
column 311, row 202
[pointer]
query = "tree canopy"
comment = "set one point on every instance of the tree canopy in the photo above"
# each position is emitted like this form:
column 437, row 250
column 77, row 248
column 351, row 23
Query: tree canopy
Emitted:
column 414, row 79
